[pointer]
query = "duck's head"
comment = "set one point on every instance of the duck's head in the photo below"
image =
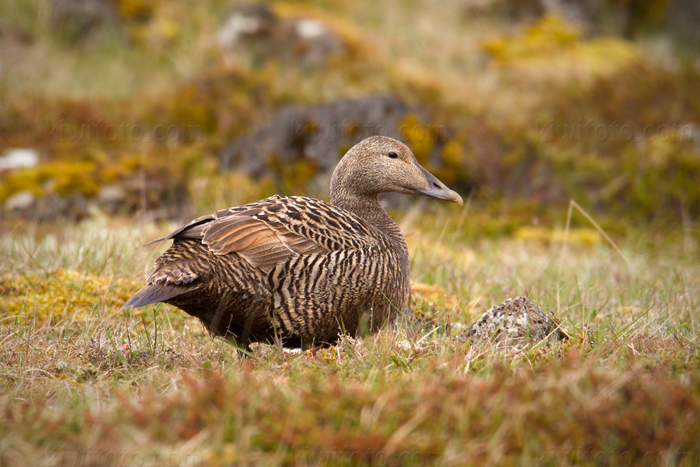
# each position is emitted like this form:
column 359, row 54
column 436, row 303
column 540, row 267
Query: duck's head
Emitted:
column 379, row 164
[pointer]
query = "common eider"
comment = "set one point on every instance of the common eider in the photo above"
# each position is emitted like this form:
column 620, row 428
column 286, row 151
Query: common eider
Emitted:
column 298, row 270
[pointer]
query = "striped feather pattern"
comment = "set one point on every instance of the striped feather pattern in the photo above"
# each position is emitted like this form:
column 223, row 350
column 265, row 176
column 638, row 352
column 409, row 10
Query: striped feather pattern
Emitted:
column 283, row 263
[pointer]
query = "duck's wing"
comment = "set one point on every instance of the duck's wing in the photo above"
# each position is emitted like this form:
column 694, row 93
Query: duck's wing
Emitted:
column 273, row 230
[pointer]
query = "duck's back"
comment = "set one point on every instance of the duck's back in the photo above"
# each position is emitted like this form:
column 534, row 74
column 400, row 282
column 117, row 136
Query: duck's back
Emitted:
column 293, row 267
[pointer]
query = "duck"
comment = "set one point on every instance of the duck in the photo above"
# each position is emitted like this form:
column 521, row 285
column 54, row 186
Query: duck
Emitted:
column 295, row 270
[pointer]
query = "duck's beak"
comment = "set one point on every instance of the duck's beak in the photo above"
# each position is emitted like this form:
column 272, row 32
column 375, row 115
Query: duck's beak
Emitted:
column 437, row 189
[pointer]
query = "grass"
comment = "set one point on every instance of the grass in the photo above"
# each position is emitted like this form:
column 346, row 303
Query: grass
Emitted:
column 83, row 382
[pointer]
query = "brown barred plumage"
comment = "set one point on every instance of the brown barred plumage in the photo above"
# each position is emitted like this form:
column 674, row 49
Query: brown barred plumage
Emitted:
column 299, row 269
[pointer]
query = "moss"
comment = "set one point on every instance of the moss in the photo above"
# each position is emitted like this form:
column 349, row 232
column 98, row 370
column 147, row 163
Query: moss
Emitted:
column 63, row 178
column 550, row 35
column 627, row 151
column 156, row 34
column 419, row 137
column 295, row 177
column 86, row 178
column 212, row 105
column 61, row 296
column 31, row 180
column 189, row 107
column 135, row 10
column 79, row 177
column 453, row 154
column 561, row 47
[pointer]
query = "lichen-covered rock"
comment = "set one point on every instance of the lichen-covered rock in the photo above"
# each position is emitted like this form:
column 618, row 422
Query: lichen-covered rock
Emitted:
column 302, row 144
column 296, row 37
column 246, row 22
column 74, row 190
column 19, row 158
column 20, row 201
column 514, row 321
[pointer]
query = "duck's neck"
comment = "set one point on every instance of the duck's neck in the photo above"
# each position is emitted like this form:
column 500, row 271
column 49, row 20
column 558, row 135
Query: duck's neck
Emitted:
column 349, row 192
column 370, row 209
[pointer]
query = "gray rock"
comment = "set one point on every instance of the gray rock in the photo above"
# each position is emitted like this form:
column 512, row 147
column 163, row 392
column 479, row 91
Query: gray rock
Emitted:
column 247, row 21
column 19, row 158
column 319, row 135
column 682, row 23
column 515, row 321
column 256, row 30
column 586, row 13
column 157, row 195
column 111, row 194
column 49, row 207
column 21, row 201
column 111, row 197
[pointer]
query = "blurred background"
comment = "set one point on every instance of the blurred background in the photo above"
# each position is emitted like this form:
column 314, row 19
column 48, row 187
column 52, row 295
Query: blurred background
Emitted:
column 168, row 109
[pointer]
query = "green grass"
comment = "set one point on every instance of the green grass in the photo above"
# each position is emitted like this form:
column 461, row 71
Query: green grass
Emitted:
column 80, row 381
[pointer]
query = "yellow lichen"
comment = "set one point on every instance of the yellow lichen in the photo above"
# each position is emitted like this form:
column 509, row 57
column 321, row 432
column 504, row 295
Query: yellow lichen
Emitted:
column 561, row 46
column 62, row 295
column 293, row 177
column 79, row 177
column 68, row 178
column 548, row 36
column 138, row 10
column 418, row 137
column 452, row 154
column 63, row 178
column 190, row 107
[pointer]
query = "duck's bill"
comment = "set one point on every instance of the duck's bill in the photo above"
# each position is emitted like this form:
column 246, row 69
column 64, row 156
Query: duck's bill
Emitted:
column 438, row 190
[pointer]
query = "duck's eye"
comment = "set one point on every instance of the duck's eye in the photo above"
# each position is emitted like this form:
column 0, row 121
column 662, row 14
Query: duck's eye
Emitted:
column 393, row 155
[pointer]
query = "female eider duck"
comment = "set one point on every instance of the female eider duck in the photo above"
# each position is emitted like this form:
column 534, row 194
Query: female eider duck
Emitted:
column 295, row 269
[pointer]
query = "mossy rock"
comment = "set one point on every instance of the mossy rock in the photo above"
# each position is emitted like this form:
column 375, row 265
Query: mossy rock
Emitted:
column 301, row 145
column 74, row 189
column 292, row 34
